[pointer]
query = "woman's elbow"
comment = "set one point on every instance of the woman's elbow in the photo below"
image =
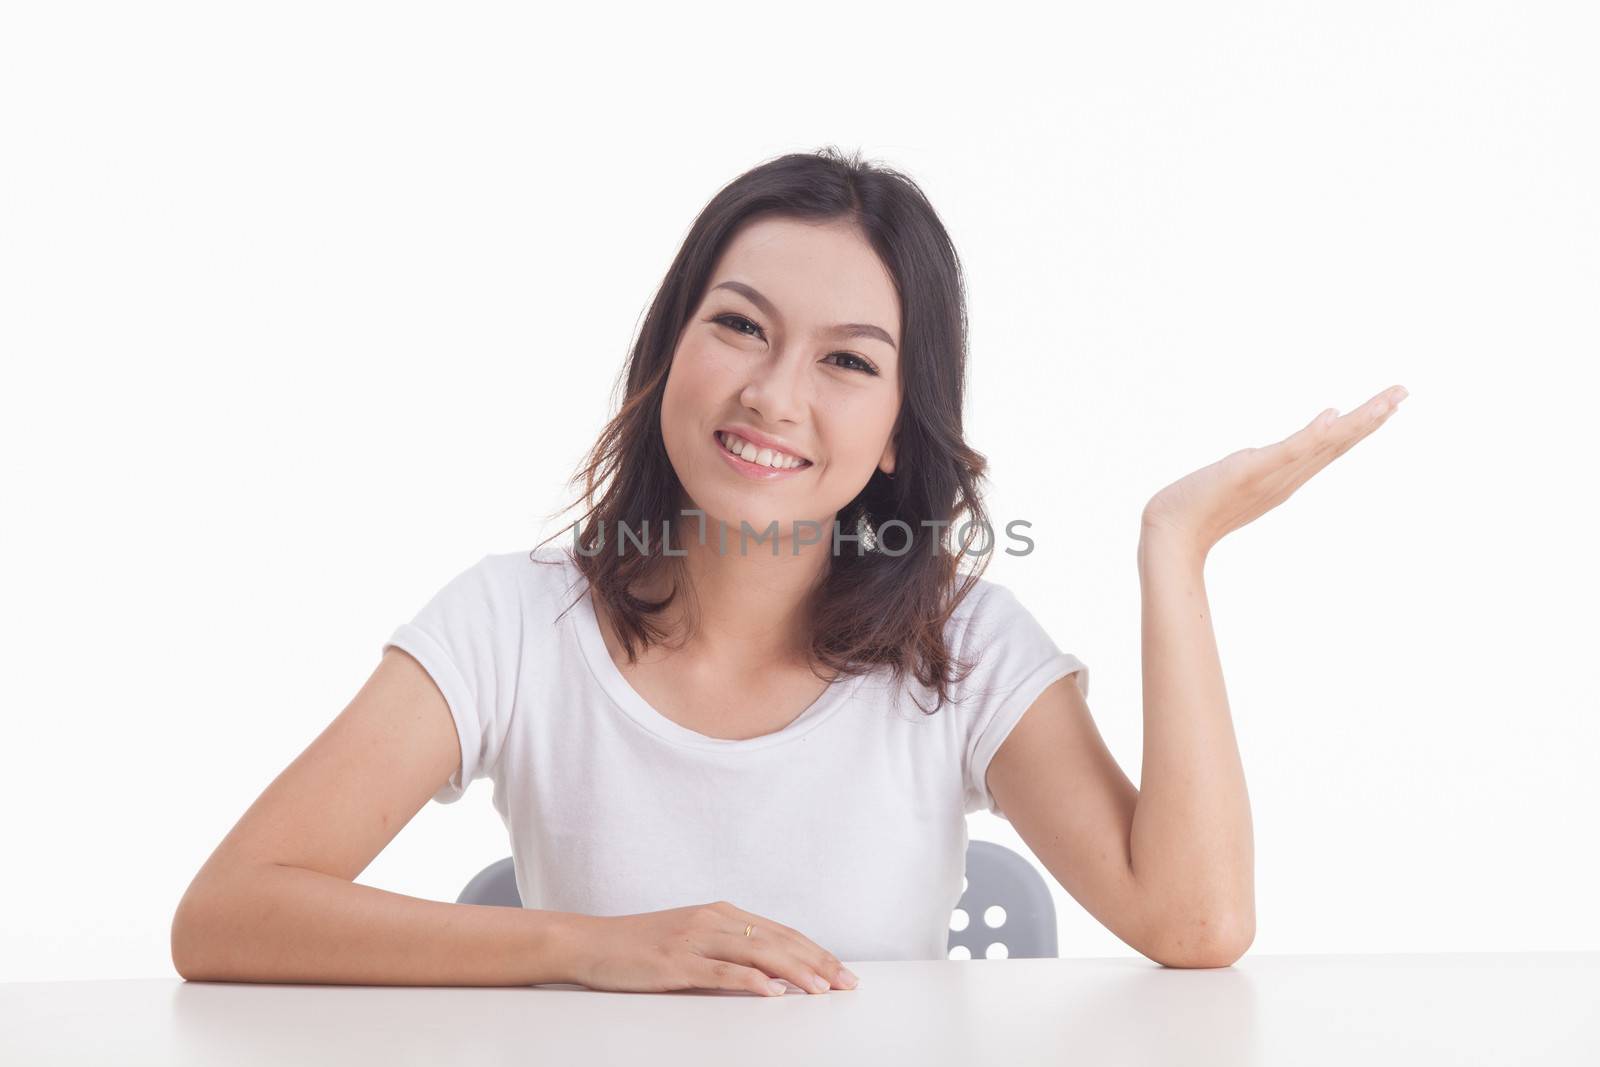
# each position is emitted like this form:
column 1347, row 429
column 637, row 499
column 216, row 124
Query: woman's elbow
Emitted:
column 1208, row 943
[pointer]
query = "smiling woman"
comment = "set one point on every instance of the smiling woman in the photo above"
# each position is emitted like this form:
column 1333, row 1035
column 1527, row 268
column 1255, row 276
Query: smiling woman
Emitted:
column 815, row 310
column 718, row 766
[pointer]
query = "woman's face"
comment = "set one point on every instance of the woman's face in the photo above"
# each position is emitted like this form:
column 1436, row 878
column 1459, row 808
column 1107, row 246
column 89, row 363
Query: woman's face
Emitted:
column 797, row 339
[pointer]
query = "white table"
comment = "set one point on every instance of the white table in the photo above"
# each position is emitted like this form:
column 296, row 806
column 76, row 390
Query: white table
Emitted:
column 1521, row 1009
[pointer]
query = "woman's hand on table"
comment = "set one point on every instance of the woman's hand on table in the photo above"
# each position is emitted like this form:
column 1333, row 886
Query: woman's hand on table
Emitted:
column 702, row 946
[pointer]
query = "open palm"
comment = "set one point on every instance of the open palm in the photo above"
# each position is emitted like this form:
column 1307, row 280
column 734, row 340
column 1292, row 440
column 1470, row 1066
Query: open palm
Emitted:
column 1239, row 488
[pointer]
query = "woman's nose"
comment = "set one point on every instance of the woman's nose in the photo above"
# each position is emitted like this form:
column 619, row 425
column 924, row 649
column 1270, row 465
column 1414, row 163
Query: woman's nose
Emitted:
column 777, row 389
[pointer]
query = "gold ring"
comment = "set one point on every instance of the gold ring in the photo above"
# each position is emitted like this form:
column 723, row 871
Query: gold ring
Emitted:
column 748, row 927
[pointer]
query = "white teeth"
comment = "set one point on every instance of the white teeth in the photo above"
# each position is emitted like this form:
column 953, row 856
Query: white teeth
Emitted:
column 766, row 457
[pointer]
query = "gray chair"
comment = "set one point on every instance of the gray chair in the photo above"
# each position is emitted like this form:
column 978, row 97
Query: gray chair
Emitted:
column 995, row 876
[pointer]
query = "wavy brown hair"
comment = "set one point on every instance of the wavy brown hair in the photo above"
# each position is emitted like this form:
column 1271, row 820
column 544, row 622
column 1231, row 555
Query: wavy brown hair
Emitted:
column 871, row 609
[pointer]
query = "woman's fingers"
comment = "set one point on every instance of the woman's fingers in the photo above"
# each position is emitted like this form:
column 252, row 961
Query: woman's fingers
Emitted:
column 1215, row 500
column 720, row 974
column 1349, row 429
column 778, row 958
column 1337, row 436
column 808, row 961
column 1330, row 434
column 1372, row 412
column 818, row 959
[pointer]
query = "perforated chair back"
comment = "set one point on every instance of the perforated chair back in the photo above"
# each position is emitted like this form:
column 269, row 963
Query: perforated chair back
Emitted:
column 996, row 877
column 999, row 877
column 496, row 884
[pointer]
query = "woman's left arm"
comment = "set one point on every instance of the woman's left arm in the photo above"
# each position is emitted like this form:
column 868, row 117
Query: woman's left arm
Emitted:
column 1191, row 848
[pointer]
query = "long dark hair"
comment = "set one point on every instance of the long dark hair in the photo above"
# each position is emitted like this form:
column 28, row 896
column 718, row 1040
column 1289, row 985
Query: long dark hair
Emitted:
column 871, row 609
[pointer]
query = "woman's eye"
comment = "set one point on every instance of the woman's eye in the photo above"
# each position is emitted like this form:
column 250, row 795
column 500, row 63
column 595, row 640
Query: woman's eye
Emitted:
column 734, row 322
column 860, row 364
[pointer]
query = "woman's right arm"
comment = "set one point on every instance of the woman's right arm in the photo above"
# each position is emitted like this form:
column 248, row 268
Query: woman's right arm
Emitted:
column 278, row 902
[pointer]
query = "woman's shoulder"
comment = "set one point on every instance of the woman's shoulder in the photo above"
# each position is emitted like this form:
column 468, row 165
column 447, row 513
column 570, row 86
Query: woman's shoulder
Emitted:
column 545, row 560
column 546, row 570
column 537, row 581
column 985, row 605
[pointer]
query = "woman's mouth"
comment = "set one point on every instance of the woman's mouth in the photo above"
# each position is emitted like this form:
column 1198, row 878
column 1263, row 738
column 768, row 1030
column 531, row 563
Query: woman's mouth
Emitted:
column 761, row 464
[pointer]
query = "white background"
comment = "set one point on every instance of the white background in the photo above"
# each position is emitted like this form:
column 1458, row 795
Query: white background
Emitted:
column 304, row 308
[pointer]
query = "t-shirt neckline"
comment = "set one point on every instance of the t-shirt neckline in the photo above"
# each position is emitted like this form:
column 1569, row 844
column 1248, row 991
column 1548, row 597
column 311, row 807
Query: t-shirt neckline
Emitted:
column 622, row 693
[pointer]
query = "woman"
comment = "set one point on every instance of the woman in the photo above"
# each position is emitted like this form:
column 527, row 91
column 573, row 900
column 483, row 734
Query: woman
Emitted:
column 735, row 728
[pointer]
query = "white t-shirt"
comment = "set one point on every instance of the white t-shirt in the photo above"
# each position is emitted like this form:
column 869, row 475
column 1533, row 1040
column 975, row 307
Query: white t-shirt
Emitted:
column 848, row 825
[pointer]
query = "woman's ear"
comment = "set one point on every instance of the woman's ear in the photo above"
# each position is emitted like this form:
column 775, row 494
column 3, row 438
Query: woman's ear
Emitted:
column 886, row 462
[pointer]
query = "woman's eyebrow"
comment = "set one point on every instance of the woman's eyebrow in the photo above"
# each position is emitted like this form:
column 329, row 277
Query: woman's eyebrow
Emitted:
column 844, row 329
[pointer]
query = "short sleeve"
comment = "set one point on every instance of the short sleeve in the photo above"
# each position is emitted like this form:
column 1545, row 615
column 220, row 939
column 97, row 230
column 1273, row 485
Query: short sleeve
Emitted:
column 467, row 637
column 1016, row 661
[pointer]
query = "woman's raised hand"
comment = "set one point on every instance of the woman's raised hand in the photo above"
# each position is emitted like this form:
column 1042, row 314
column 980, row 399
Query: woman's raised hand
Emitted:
column 703, row 946
column 1205, row 506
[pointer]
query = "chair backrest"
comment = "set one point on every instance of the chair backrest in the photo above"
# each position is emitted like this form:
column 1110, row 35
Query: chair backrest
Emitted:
column 996, row 877
column 495, row 884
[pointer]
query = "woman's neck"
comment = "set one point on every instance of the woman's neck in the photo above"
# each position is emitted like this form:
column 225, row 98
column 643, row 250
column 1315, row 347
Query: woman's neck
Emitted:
column 750, row 608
